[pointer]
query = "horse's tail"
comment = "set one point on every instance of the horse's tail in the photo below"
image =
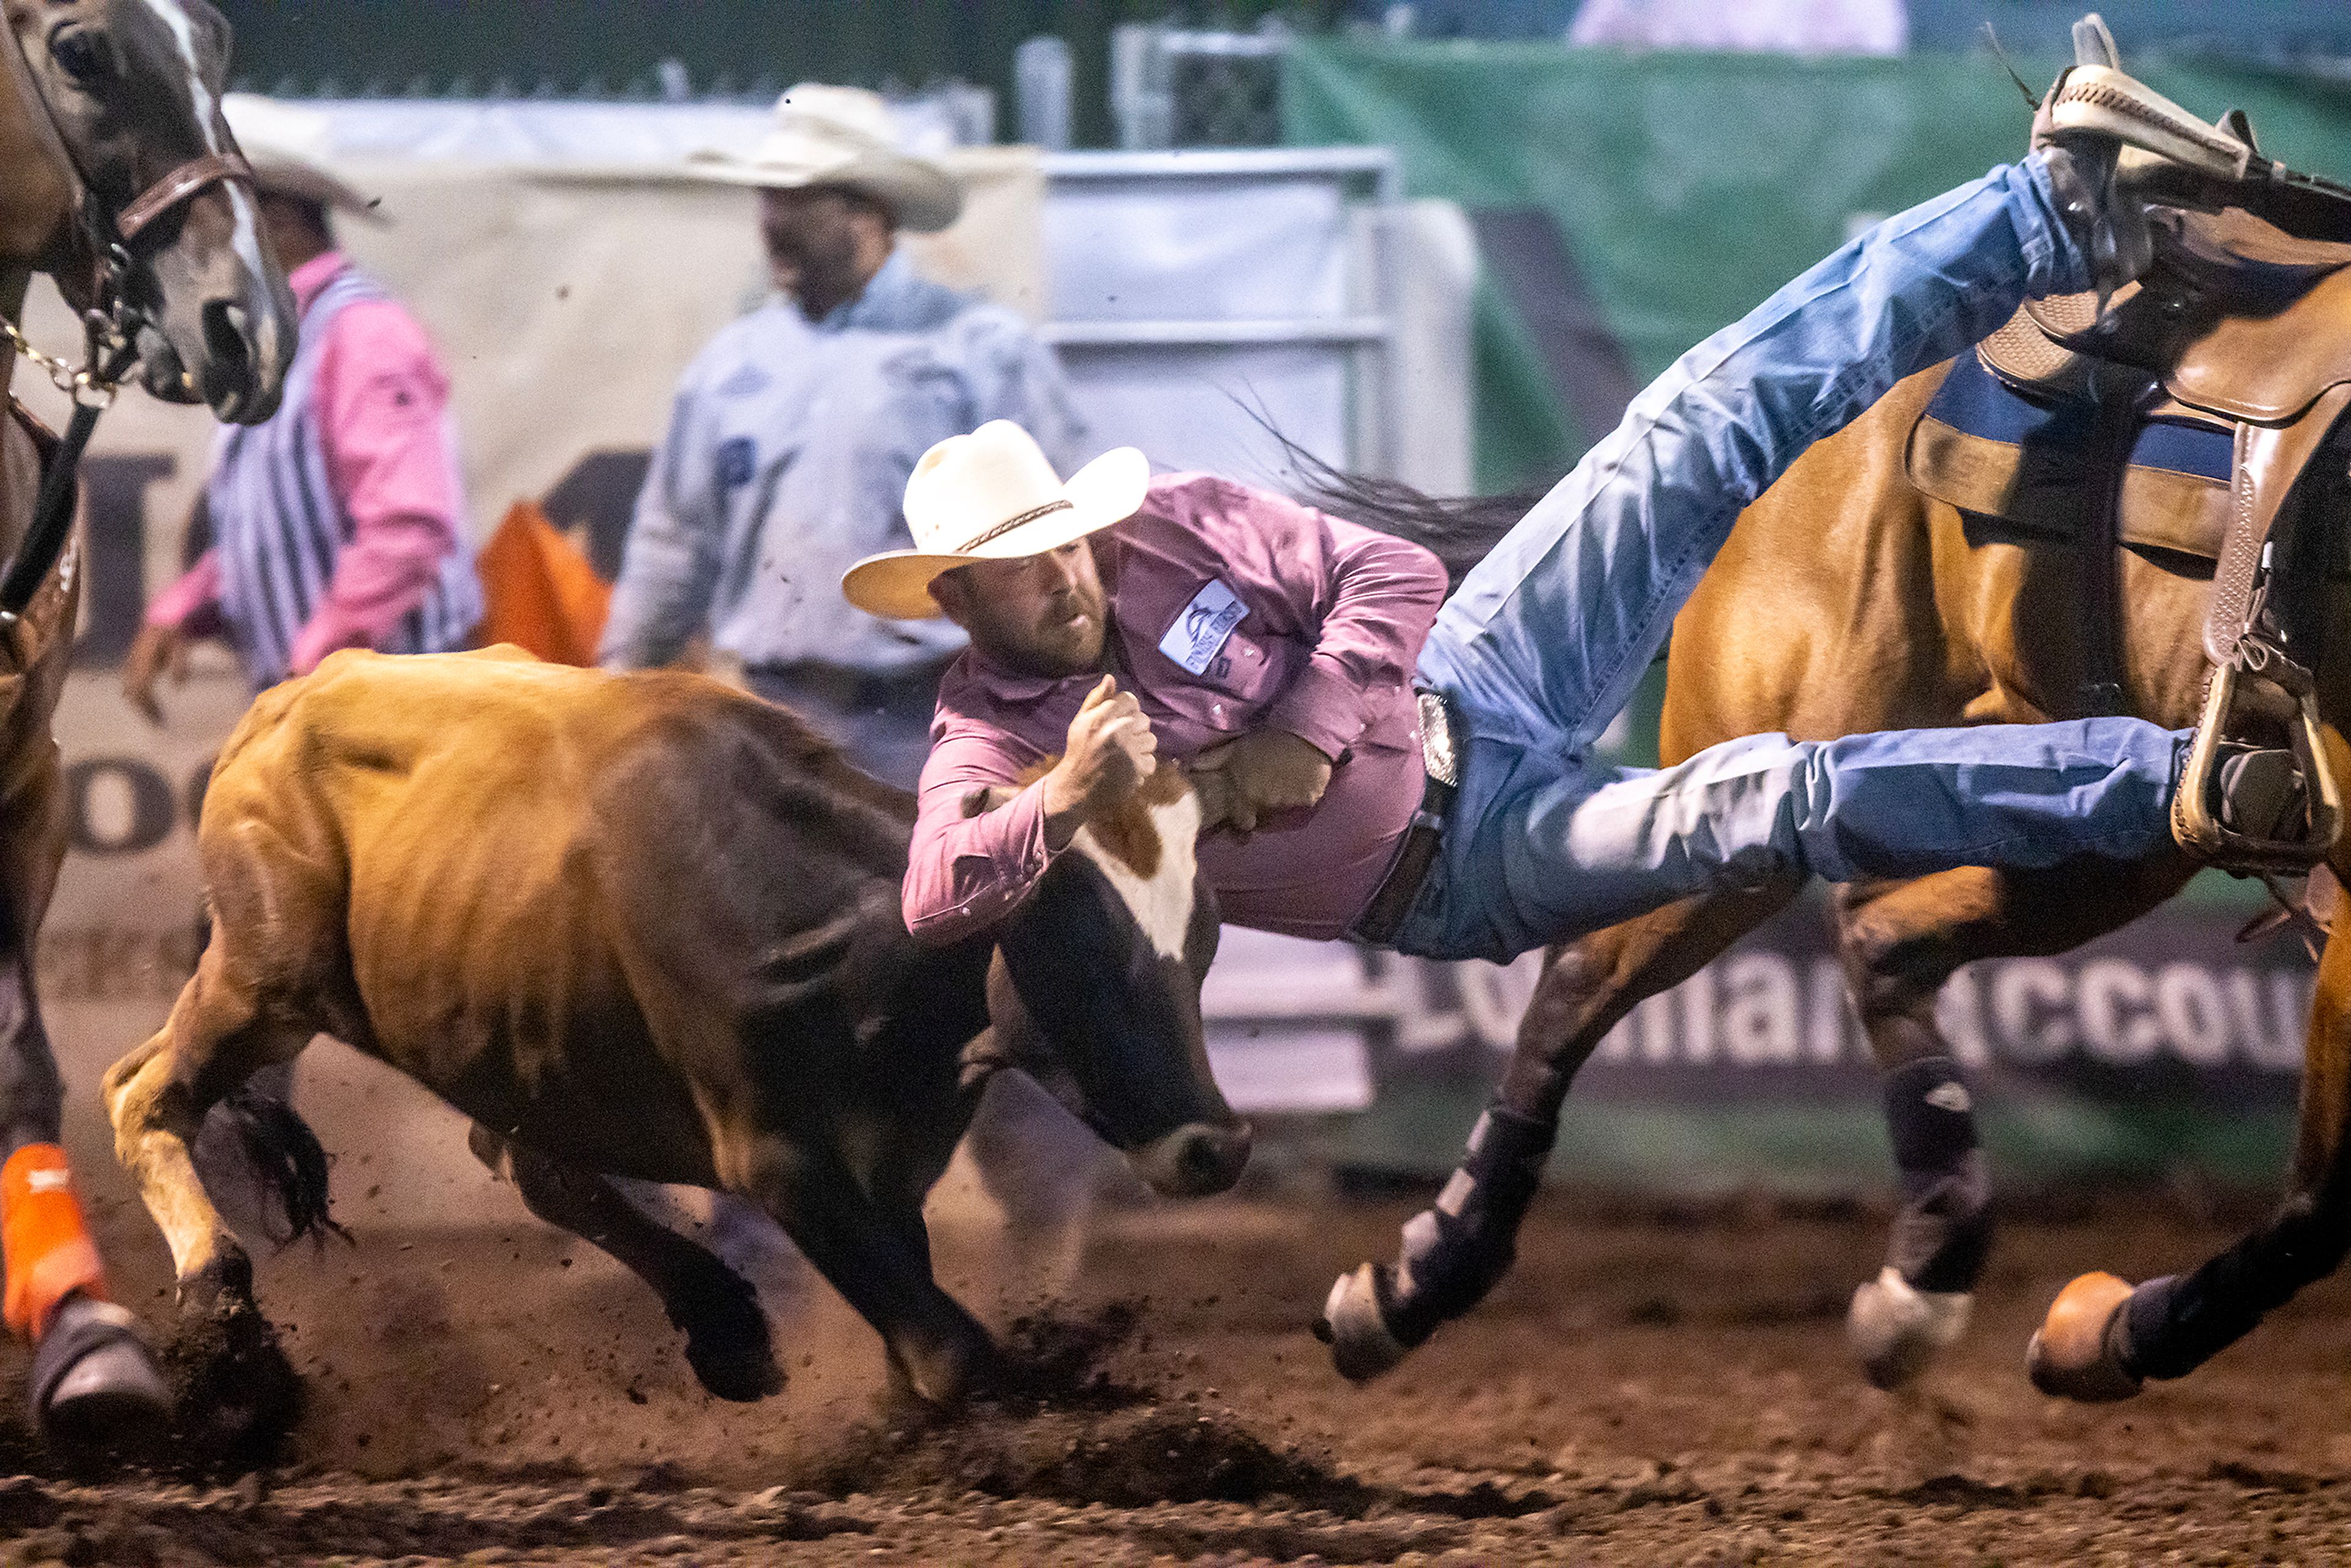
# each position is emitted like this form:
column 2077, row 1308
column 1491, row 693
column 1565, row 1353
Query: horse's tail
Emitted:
column 1458, row 530
column 287, row 1160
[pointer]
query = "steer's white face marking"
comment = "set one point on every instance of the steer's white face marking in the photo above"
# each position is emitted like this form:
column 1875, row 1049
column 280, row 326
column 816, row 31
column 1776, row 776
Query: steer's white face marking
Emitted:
column 244, row 237
column 1161, row 892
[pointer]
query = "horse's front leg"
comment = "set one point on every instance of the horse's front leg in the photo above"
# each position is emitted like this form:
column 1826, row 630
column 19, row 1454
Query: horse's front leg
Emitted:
column 2102, row 1338
column 1455, row 1252
column 1900, row 942
column 93, row 1383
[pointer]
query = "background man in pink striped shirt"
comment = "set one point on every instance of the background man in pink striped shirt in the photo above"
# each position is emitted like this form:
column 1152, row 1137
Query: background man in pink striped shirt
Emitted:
column 340, row 523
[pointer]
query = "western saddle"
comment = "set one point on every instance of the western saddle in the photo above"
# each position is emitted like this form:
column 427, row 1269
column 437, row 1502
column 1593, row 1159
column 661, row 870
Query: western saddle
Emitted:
column 2195, row 418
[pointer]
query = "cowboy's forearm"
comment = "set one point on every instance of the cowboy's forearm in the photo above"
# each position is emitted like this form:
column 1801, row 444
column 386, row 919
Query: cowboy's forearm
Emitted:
column 964, row 872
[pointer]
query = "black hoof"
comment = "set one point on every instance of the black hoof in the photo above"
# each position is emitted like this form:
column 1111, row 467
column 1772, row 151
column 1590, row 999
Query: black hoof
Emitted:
column 946, row 1379
column 727, row 1343
column 741, row 1372
column 95, row 1390
column 1357, row 1324
column 236, row 1393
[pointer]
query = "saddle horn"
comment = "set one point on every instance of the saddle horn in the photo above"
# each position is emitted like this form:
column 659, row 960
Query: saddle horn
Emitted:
column 2093, row 44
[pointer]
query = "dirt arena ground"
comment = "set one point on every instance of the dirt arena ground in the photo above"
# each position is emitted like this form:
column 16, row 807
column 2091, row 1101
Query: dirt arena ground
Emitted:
column 1650, row 1386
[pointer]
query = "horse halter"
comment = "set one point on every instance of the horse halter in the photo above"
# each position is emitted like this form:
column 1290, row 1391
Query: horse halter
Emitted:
column 110, row 329
column 111, row 325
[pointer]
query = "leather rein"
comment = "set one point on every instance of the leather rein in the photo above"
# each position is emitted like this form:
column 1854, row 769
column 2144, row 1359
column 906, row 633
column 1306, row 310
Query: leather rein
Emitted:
column 110, row 330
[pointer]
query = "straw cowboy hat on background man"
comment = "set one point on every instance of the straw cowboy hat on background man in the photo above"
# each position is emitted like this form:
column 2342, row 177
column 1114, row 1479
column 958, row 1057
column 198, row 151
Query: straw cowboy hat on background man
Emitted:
column 992, row 495
column 840, row 136
column 288, row 147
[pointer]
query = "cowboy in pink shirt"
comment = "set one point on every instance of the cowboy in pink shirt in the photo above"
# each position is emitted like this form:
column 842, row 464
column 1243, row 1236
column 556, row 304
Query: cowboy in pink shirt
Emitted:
column 1265, row 646
column 338, row 524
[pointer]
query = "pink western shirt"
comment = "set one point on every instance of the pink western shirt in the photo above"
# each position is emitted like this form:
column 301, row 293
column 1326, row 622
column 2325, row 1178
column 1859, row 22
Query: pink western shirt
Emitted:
column 381, row 396
column 1332, row 618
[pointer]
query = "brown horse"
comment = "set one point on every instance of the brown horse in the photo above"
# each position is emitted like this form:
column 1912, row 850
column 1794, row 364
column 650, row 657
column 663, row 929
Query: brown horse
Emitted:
column 1849, row 599
column 122, row 181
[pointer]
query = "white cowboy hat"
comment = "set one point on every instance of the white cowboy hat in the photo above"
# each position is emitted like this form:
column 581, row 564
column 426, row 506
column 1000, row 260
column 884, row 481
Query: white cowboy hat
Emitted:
column 287, row 146
column 992, row 495
column 840, row 136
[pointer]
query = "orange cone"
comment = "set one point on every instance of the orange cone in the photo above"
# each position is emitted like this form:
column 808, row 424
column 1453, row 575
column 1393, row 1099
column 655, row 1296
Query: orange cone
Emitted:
column 46, row 1247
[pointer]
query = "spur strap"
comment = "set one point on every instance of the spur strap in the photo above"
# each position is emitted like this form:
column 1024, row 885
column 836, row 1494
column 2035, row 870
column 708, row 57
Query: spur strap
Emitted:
column 178, row 186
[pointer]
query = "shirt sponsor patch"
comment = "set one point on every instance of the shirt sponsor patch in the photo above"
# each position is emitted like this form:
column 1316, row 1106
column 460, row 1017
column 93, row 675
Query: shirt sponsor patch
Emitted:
column 1195, row 634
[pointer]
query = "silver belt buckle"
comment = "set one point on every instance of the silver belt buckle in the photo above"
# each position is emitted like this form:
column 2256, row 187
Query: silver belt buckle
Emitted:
column 1438, row 753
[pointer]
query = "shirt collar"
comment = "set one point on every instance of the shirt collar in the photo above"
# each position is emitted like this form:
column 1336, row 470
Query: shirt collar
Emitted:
column 313, row 276
column 888, row 297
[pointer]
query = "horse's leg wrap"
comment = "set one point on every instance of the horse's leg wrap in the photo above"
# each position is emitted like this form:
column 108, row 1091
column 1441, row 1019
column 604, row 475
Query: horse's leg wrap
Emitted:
column 1944, row 1230
column 2175, row 1325
column 1918, row 1304
column 46, row 1247
column 1454, row 1251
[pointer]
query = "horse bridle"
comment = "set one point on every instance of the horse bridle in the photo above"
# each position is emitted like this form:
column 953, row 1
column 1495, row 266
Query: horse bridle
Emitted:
column 109, row 327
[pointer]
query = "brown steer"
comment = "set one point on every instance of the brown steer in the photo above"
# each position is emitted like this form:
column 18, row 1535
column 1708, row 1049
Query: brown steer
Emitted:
column 645, row 925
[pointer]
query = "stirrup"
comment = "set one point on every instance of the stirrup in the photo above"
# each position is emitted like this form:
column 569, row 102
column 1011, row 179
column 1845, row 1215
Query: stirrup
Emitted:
column 2193, row 821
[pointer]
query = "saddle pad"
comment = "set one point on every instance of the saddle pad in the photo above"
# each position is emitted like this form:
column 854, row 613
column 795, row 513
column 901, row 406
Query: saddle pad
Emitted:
column 1987, row 449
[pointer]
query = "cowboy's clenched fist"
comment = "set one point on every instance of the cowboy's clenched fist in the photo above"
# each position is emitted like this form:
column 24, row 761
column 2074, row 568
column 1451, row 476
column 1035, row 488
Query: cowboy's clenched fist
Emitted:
column 1110, row 750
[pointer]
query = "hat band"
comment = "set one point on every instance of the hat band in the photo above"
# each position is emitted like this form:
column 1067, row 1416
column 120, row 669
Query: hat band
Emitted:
column 1006, row 527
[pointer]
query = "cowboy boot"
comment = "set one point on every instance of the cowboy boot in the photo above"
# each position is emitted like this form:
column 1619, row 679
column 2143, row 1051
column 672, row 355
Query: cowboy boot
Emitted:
column 2258, row 792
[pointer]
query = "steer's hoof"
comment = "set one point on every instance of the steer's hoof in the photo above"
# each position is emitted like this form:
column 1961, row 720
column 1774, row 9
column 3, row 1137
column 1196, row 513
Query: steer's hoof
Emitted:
column 1356, row 1330
column 726, row 1338
column 239, row 1396
column 2075, row 1353
column 1896, row 1329
column 735, row 1367
column 95, row 1388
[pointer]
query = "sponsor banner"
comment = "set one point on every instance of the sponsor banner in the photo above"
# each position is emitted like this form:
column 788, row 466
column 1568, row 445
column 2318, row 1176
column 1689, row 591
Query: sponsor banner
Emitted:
column 2159, row 1050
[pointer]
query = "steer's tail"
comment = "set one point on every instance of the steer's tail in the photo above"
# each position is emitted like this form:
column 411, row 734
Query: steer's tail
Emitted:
column 287, row 1159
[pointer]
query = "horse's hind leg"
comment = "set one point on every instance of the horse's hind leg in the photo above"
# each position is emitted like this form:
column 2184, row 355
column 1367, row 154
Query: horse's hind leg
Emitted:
column 1900, row 942
column 1456, row 1251
column 2101, row 1337
column 727, row 1338
column 240, row 1387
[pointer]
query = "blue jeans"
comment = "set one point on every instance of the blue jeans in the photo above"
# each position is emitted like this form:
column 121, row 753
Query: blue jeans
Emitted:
column 1548, row 636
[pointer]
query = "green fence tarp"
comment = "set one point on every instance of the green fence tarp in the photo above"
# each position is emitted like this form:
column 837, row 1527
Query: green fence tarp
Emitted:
column 1688, row 187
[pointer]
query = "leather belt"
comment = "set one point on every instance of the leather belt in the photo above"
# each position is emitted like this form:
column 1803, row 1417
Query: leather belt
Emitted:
column 1440, row 757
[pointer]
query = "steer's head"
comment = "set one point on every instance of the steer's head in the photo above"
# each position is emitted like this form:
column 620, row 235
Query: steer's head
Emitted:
column 1096, row 991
